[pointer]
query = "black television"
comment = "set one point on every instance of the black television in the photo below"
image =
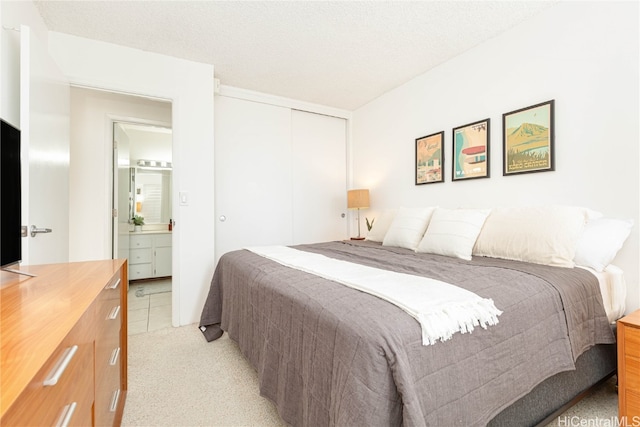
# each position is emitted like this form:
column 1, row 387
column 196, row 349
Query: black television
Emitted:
column 10, row 196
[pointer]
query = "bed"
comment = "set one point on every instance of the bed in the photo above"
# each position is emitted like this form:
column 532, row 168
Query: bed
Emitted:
column 329, row 354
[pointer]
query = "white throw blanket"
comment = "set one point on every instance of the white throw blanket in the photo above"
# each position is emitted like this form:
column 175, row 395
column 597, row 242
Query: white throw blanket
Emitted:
column 442, row 309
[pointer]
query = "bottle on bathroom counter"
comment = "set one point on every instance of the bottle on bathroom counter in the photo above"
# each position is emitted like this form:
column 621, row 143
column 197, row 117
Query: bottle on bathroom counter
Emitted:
column 170, row 224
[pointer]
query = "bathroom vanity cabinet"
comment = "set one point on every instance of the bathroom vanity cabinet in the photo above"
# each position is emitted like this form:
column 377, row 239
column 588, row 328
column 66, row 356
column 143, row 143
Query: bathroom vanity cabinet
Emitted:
column 149, row 255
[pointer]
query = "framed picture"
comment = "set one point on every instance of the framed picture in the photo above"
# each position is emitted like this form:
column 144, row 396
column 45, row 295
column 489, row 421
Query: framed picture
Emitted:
column 528, row 139
column 471, row 151
column 430, row 158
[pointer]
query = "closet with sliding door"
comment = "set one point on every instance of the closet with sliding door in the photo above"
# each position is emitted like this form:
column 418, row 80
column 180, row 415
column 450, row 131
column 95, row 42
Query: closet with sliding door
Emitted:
column 280, row 175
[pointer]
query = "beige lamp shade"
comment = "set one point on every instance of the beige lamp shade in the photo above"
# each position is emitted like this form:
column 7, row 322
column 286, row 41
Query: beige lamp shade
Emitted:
column 357, row 199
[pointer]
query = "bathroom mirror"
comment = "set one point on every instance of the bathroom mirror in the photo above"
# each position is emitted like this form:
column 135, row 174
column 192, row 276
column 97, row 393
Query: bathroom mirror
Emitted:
column 151, row 189
column 145, row 153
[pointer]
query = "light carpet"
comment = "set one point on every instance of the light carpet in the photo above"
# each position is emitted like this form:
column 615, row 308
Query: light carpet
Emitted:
column 176, row 378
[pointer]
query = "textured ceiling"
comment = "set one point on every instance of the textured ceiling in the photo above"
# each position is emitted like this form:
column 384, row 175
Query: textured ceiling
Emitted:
column 341, row 54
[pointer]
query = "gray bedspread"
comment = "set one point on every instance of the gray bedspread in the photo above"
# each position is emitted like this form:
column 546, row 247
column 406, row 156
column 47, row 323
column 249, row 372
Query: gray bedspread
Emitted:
column 329, row 355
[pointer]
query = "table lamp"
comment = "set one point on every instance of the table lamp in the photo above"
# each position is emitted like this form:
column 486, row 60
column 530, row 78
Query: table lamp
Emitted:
column 357, row 199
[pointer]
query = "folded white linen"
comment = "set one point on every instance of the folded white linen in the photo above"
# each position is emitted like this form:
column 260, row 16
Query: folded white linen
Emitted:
column 442, row 309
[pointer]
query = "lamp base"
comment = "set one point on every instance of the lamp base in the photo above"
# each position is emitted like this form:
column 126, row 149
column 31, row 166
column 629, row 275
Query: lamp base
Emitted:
column 357, row 238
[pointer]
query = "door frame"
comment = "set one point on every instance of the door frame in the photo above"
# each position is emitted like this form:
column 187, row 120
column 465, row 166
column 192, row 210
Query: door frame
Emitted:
column 112, row 119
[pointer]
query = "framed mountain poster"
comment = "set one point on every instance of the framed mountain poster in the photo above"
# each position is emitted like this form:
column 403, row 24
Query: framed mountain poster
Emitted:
column 528, row 139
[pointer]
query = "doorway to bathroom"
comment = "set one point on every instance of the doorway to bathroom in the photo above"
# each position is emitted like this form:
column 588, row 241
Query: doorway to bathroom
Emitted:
column 142, row 193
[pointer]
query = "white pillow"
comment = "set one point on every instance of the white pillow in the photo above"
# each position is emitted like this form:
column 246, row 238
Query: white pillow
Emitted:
column 600, row 242
column 381, row 225
column 408, row 227
column 453, row 232
column 541, row 235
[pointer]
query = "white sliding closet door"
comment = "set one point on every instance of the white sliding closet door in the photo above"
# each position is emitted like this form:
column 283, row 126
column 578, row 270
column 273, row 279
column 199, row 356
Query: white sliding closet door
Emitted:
column 252, row 174
column 280, row 176
column 319, row 177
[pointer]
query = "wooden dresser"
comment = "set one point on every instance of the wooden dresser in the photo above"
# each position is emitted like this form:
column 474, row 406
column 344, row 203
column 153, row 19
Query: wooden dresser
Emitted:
column 64, row 345
column 629, row 368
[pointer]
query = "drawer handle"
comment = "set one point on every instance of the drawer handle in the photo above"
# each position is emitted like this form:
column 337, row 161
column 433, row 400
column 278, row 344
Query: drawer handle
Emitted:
column 114, row 356
column 114, row 401
column 67, row 413
column 114, row 285
column 114, row 313
column 60, row 367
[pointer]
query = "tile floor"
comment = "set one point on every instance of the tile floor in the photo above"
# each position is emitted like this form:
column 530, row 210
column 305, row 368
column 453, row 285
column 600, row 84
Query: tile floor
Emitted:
column 149, row 305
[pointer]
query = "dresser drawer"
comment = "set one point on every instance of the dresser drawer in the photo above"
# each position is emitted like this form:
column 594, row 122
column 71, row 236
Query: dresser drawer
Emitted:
column 632, row 369
column 108, row 394
column 138, row 242
column 63, row 386
column 632, row 341
column 109, row 356
column 140, row 271
column 140, row 256
column 633, row 406
column 109, row 316
column 113, row 289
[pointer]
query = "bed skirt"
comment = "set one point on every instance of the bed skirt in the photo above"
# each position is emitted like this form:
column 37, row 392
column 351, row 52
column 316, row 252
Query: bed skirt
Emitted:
column 556, row 394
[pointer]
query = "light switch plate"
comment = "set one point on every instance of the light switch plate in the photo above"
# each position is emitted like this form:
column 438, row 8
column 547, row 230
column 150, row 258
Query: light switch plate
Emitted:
column 184, row 198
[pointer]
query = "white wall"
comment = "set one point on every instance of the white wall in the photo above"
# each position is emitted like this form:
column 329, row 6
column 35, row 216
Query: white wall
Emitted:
column 12, row 15
column 150, row 145
column 582, row 54
column 189, row 86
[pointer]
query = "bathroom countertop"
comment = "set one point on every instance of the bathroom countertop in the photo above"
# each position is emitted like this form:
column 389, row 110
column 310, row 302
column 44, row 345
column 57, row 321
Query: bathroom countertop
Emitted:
column 151, row 232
